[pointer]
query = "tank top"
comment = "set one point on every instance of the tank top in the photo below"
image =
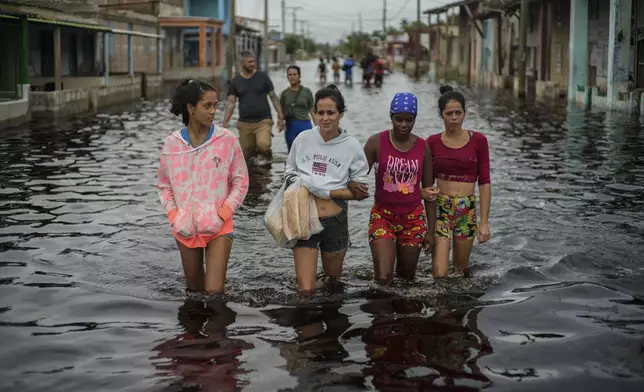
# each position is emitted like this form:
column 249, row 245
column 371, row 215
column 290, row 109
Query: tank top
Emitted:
column 399, row 175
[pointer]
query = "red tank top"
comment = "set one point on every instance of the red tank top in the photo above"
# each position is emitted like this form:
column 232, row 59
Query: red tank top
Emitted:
column 465, row 164
column 399, row 175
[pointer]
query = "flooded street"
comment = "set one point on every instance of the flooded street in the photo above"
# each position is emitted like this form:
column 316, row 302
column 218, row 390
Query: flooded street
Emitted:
column 91, row 285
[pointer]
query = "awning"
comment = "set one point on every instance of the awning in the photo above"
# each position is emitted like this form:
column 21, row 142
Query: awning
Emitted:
column 86, row 26
column 35, row 19
column 137, row 33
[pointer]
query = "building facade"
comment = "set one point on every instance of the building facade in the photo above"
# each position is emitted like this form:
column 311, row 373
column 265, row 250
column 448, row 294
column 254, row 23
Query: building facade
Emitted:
column 590, row 51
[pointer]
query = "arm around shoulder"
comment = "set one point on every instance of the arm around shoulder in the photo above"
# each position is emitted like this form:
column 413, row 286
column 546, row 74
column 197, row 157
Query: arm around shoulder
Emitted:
column 371, row 149
column 359, row 167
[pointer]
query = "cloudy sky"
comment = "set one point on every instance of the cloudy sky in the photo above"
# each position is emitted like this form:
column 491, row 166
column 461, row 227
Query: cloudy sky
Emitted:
column 330, row 20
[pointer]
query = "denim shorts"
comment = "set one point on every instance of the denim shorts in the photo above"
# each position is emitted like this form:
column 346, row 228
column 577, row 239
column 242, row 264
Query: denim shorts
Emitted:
column 333, row 239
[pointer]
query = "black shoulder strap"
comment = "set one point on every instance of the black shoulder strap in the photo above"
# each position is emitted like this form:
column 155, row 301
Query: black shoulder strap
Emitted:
column 297, row 94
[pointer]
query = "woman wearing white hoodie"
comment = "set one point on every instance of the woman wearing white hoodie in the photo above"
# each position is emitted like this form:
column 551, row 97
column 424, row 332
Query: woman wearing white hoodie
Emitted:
column 326, row 159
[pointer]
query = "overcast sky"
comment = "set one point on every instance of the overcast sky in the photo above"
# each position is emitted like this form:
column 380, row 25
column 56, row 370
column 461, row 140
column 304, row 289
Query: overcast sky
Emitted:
column 330, row 20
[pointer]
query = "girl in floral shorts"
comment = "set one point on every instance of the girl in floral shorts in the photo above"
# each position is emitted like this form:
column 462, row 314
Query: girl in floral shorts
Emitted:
column 399, row 224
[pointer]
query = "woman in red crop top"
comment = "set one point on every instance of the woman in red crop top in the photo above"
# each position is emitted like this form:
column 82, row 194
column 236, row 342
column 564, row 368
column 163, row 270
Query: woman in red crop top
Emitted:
column 460, row 157
column 400, row 223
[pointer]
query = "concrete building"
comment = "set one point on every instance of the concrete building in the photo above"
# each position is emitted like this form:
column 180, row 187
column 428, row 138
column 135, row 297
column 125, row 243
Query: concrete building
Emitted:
column 591, row 51
column 276, row 50
column 455, row 43
column 195, row 44
column 250, row 36
column 607, row 47
column 62, row 53
column 397, row 48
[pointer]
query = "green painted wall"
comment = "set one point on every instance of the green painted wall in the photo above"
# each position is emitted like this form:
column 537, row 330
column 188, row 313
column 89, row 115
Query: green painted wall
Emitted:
column 10, row 59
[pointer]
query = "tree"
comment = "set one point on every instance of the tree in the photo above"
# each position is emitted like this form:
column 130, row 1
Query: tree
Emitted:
column 404, row 24
column 356, row 43
column 414, row 25
column 293, row 43
column 394, row 31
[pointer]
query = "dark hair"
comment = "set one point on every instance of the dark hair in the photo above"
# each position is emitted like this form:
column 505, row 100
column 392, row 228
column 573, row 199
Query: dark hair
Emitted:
column 295, row 67
column 448, row 94
column 331, row 91
column 189, row 91
column 245, row 54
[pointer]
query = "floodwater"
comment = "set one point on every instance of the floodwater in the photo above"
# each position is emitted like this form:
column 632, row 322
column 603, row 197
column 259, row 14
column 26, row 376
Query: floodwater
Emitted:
column 91, row 288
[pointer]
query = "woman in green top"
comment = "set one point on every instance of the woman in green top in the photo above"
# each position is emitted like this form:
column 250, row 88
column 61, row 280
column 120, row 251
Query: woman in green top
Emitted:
column 297, row 104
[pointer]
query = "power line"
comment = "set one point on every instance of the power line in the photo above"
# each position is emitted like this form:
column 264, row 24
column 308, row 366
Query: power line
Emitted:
column 334, row 19
column 314, row 7
column 399, row 11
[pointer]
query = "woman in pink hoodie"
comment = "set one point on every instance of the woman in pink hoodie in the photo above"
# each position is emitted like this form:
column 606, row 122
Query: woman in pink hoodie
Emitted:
column 202, row 180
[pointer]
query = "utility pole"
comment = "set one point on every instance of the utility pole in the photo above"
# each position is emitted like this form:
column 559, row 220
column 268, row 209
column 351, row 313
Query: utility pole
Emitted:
column 265, row 46
column 302, row 23
column 283, row 19
column 384, row 28
column 384, row 18
column 283, row 29
column 295, row 9
column 232, row 43
column 523, row 38
column 417, row 71
column 360, row 40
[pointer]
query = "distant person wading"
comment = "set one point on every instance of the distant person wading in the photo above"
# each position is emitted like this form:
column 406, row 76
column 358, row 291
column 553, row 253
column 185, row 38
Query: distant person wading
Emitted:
column 322, row 71
column 297, row 104
column 253, row 88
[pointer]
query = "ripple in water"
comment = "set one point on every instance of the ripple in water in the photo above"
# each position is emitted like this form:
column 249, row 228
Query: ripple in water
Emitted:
column 92, row 294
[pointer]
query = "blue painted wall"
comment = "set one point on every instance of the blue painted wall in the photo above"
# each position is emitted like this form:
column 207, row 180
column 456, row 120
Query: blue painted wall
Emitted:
column 487, row 49
column 217, row 9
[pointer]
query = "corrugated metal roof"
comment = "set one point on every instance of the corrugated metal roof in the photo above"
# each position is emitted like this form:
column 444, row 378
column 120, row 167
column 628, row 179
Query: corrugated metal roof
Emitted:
column 446, row 7
column 70, row 7
column 500, row 4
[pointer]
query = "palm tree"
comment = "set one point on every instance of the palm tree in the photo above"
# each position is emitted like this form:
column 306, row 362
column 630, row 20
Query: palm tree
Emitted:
column 404, row 24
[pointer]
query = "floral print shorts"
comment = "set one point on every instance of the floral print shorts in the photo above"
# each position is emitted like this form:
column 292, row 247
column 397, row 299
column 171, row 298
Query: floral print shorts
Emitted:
column 455, row 216
column 406, row 229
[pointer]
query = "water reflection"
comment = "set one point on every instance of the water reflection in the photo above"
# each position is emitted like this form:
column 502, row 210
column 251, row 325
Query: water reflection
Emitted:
column 318, row 329
column 259, row 179
column 204, row 356
column 81, row 219
column 412, row 346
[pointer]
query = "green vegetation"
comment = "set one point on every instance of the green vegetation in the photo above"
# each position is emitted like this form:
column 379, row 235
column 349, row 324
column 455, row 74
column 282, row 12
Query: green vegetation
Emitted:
column 294, row 43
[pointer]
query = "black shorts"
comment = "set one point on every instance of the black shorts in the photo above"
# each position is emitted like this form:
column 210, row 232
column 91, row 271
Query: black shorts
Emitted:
column 333, row 239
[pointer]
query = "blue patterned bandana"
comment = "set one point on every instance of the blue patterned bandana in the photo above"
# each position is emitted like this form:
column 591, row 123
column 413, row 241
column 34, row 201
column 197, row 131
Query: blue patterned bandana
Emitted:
column 404, row 103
